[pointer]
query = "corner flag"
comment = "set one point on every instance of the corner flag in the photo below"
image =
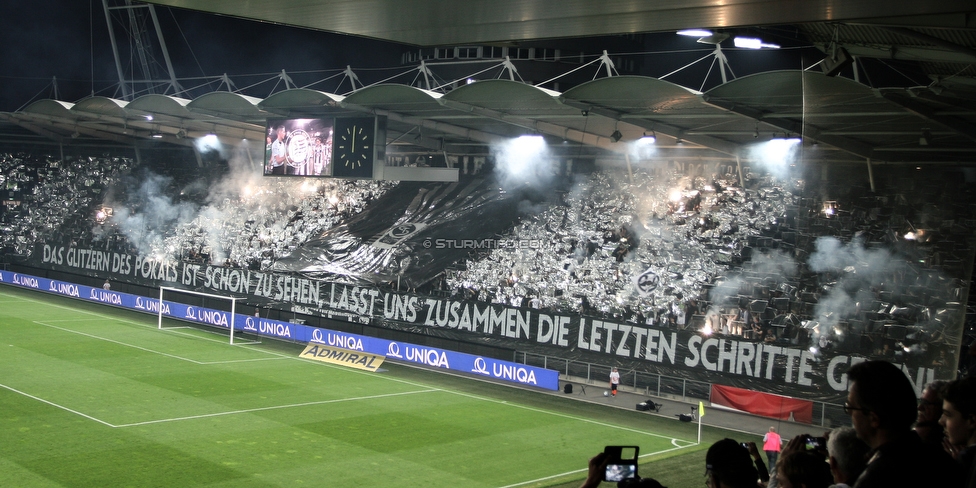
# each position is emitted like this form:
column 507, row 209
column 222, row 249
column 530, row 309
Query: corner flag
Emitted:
column 701, row 413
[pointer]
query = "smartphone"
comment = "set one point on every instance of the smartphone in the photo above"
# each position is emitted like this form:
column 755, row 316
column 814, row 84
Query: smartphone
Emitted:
column 816, row 443
column 621, row 462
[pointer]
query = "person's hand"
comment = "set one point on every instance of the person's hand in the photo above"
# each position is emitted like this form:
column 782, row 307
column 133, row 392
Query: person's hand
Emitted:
column 796, row 444
column 597, row 465
column 753, row 450
column 950, row 448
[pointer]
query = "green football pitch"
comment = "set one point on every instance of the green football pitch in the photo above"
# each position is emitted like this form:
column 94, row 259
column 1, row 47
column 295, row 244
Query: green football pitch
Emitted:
column 92, row 396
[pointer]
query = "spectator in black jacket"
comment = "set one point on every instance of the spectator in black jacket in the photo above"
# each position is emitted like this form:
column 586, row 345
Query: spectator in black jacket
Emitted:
column 882, row 404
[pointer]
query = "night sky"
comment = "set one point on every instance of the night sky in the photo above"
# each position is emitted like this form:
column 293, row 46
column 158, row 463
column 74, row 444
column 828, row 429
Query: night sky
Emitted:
column 68, row 39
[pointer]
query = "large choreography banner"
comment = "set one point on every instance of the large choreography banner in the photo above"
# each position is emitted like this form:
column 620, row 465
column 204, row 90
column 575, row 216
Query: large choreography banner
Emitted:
column 791, row 369
column 440, row 358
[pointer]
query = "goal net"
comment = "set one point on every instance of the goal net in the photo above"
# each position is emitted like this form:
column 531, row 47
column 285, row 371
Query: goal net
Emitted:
column 218, row 313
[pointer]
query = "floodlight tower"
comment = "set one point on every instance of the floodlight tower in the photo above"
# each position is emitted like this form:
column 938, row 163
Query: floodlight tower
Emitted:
column 134, row 19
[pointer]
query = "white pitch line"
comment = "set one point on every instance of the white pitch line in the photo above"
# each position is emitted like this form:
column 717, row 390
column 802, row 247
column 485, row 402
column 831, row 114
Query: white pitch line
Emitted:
column 116, row 319
column 276, row 407
column 397, row 380
column 28, row 395
column 93, row 336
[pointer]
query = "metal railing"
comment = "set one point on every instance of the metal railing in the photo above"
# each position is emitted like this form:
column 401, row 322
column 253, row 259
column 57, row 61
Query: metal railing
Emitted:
column 827, row 415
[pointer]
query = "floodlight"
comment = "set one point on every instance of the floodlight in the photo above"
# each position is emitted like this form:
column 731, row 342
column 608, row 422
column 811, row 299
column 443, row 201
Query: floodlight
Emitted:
column 695, row 32
column 650, row 139
column 616, row 136
column 753, row 43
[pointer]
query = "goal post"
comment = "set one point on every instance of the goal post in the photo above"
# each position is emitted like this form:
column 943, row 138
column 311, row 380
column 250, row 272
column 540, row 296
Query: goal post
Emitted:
column 163, row 290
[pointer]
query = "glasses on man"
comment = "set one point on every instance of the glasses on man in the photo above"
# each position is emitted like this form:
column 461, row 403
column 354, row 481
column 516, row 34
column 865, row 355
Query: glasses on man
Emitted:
column 848, row 408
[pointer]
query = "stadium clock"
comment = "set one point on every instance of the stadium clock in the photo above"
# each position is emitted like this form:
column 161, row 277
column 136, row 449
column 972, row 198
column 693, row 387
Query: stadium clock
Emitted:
column 354, row 147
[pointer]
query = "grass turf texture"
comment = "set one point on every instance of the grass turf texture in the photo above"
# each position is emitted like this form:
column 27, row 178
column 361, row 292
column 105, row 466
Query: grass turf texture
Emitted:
column 97, row 396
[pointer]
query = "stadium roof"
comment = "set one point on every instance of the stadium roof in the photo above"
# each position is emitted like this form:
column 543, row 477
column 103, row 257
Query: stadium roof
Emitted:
column 852, row 121
column 446, row 22
column 848, row 120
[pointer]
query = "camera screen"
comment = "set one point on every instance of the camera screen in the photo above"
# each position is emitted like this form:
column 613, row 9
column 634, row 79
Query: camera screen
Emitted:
column 618, row 472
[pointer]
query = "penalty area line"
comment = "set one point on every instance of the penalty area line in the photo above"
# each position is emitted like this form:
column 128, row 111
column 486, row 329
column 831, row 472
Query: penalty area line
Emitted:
column 276, row 407
column 62, row 407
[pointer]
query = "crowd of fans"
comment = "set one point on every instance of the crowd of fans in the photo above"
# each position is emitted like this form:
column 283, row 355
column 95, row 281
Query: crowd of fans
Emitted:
column 879, row 450
column 40, row 195
column 769, row 261
column 687, row 247
column 267, row 218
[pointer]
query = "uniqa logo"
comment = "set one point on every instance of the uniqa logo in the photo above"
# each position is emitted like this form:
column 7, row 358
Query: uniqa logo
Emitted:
column 345, row 342
column 105, row 296
column 64, row 289
column 430, row 357
column 480, row 366
column 393, row 350
column 249, row 325
column 513, row 373
column 274, row 328
column 317, row 336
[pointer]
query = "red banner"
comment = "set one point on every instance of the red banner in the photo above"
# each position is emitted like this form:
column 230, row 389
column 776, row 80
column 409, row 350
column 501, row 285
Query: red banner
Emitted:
column 764, row 404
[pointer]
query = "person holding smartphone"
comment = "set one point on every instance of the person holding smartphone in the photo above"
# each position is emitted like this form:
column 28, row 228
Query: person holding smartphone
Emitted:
column 610, row 466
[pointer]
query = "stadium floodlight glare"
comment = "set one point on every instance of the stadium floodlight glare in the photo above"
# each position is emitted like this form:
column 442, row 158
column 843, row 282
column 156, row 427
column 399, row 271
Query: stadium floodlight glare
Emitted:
column 648, row 139
column 752, row 43
column 695, row 32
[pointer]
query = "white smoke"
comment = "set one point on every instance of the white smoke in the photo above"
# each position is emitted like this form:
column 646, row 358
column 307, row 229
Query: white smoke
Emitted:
column 523, row 161
column 150, row 213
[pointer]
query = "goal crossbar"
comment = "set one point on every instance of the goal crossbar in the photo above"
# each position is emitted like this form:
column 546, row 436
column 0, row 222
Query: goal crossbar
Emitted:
column 233, row 305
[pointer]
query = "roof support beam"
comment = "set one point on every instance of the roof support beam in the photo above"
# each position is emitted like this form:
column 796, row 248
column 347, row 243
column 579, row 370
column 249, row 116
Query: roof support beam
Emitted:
column 959, row 126
column 809, row 131
column 713, row 143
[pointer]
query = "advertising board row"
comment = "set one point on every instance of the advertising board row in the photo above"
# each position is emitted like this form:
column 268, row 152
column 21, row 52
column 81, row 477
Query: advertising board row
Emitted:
column 466, row 363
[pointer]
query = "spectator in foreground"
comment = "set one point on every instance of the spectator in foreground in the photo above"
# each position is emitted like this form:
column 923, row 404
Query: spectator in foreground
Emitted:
column 728, row 465
column 959, row 420
column 803, row 469
column 882, row 405
column 847, row 456
column 929, row 410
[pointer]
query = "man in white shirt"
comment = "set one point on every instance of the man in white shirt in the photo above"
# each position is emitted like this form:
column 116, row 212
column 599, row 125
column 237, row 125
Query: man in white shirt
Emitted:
column 614, row 381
